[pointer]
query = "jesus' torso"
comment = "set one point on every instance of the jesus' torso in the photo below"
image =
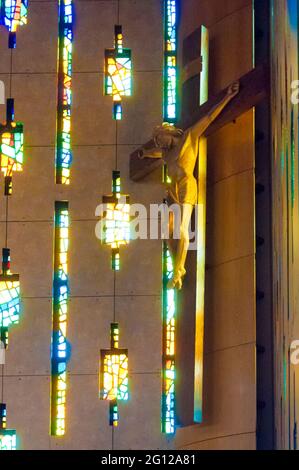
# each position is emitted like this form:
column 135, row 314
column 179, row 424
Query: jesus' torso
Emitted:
column 181, row 162
column 181, row 159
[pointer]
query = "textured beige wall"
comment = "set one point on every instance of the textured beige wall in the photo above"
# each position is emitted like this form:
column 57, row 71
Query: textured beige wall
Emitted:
column 30, row 229
column 230, row 328
column 229, row 407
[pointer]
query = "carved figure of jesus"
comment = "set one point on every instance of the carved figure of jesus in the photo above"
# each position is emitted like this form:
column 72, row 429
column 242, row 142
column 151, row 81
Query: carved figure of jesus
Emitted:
column 179, row 150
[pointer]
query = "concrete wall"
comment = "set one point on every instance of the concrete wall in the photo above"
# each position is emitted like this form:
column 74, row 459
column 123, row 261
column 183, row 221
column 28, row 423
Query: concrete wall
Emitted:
column 230, row 338
column 229, row 397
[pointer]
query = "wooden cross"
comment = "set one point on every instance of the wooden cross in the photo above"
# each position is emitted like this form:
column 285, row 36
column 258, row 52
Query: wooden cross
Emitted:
column 254, row 87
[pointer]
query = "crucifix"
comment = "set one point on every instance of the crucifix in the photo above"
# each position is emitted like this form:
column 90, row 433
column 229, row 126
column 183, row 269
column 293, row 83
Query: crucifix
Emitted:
column 184, row 145
column 254, row 87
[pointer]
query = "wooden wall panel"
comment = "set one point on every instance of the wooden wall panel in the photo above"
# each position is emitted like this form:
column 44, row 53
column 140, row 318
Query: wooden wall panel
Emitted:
column 230, row 239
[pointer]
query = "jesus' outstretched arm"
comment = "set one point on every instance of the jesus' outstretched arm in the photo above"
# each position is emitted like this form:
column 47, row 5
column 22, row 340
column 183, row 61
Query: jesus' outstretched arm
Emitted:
column 201, row 126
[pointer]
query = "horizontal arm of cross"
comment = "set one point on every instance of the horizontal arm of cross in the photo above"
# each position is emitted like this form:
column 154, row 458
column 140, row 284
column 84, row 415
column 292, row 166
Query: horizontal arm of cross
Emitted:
column 254, row 87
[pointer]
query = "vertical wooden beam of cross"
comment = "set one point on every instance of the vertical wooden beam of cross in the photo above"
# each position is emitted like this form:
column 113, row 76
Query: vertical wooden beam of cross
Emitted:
column 201, row 237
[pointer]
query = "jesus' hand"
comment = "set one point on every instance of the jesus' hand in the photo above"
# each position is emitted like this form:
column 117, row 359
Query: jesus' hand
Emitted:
column 233, row 90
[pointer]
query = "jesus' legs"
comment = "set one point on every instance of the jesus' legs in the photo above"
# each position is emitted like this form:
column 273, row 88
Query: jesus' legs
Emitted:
column 182, row 247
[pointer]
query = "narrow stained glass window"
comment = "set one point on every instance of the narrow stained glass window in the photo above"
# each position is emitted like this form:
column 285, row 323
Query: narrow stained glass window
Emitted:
column 11, row 147
column 170, row 61
column 9, row 297
column 8, row 437
column 116, row 227
column 64, row 102
column 170, row 115
column 60, row 352
column 169, row 325
column 13, row 13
